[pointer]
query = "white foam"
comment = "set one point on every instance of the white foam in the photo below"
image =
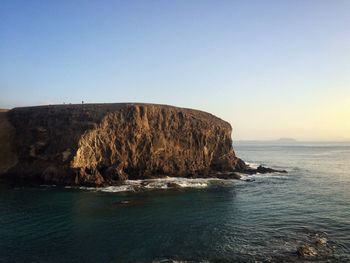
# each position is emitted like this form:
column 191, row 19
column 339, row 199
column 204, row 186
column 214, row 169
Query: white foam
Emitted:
column 253, row 165
column 115, row 189
column 160, row 183
column 263, row 176
column 174, row 182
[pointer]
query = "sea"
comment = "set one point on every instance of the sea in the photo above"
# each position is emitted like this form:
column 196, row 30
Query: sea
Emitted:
column 266, row 218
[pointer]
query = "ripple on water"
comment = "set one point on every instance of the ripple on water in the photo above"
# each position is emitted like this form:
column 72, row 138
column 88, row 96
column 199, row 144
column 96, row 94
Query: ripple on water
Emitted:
column 201, row 220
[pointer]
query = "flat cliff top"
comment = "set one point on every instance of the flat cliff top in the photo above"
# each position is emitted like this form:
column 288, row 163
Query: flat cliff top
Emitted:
column 102, row 108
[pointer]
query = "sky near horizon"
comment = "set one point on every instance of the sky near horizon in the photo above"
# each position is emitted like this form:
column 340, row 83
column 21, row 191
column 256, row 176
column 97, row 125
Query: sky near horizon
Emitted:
column 271, row 68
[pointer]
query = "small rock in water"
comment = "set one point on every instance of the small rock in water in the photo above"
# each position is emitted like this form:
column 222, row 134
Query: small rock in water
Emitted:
column 173, row 185
column 307, row 251
column 144, row 183
column 321, row 241
column 250, row 180
column 130, row 202
column 263, row 170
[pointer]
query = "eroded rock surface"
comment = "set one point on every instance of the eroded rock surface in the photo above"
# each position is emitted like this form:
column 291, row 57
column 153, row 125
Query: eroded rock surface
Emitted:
column 100, row 144
column 8, row 157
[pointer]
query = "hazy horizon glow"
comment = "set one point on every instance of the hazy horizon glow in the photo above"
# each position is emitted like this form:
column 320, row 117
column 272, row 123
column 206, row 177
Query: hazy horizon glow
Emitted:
column 271, row 68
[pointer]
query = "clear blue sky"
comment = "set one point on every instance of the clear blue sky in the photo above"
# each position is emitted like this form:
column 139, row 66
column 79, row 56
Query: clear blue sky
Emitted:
column 271, row 68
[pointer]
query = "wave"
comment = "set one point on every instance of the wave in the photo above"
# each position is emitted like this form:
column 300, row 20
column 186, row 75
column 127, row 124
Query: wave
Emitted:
column 160, row 183
column 252, row 165
column 250, row 178
column 176, row 183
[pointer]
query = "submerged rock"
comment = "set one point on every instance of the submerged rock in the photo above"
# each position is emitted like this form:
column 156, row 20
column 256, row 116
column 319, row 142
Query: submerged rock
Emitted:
column 316, row 247
column 249, row 180
column 173, row 185
column 321, row 241
column 105, row 144
column 263, row 170
column 306, row 251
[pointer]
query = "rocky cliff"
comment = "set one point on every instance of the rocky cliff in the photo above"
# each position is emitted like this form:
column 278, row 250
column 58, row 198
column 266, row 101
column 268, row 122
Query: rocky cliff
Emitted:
column 100, row 144
column 7, row 156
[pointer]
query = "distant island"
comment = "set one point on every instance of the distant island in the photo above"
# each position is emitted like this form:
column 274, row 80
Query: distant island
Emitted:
column 105, row 144
column 278, row 141
column 286, row 140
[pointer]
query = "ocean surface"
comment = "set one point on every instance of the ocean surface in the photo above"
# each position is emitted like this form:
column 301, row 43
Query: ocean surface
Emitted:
column 265, row 220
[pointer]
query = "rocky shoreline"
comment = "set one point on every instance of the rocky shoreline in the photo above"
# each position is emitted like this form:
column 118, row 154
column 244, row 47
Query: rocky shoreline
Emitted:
column 106, row 144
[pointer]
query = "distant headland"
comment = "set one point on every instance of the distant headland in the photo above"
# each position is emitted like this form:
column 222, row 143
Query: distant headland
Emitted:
column 289, row 140
column 282, row 140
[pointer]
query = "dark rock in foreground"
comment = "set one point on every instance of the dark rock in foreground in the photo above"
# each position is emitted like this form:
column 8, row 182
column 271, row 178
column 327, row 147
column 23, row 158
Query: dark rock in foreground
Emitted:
column 317, row 248
column 103, row 144
column 262, row 170
column 306, row 251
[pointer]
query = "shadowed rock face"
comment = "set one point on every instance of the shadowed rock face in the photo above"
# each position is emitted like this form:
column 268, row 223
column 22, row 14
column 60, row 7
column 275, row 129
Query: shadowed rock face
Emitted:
column 7, row 156
column 96, row 144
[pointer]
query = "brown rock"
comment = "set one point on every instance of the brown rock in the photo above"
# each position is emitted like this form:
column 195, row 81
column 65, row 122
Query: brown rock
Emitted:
column 8, row 156
column 173, row 185
column 264, row 170
column 89, row 178
column 307, row 251
column 115, row 173
column 96, row 144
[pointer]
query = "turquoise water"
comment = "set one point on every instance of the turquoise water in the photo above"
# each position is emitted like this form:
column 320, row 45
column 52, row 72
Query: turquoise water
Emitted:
column 265, row 220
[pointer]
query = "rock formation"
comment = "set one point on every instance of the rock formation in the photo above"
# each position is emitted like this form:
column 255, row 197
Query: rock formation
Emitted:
column 101, row 144
column 7, row 155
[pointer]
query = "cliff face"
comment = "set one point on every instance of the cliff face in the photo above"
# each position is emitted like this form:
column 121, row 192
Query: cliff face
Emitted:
column 7, row 156
column 96, row 144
